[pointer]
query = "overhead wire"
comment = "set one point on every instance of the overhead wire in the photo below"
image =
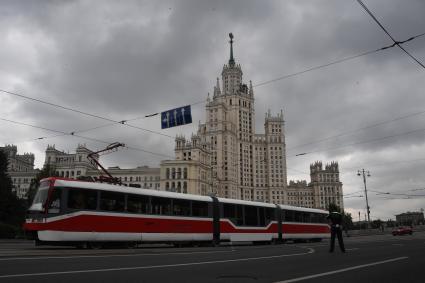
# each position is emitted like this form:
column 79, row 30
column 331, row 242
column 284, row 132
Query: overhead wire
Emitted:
column 83, row 137
column 396, row 43
column 360, row 142
column 384, row 164
column 395, row 194
column 125, row 122
column 360, row 129
column 122, row 122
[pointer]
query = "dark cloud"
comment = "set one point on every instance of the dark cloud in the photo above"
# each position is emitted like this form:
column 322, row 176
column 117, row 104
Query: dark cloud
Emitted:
column 127, row 59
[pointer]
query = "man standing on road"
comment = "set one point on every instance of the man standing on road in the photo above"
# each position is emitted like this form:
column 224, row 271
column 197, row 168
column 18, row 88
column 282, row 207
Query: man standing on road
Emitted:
column 335, row 221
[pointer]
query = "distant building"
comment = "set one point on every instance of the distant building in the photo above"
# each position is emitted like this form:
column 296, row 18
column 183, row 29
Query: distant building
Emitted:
column 141, row 177
column 18, row 162
column 70, row 165
column 410, row 218
column 20, row 169
column 190, row 172
column 299, row 193
column 324, row 188
column 326, row 185
column 74, row 165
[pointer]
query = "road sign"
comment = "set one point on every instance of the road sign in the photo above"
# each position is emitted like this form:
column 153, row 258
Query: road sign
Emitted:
column 176, row 117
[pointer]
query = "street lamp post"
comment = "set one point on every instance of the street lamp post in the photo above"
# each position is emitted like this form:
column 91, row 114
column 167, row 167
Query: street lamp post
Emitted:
column 365, row 173
column 360, row 226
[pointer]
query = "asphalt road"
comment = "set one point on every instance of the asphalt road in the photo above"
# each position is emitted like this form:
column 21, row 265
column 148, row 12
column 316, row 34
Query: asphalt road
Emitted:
column 382, row 258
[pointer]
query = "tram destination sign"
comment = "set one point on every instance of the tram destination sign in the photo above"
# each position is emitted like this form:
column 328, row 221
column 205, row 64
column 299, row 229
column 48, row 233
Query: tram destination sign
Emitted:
column 176, row 117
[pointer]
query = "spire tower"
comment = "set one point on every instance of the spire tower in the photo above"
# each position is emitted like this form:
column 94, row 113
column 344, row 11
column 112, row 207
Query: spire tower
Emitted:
column 231, row 60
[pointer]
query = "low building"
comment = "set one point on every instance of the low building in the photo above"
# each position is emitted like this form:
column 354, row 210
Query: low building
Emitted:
column 20, row 169
column 70, row 165
column 75, row 165
column 410, row 218
column 324, row 188
column 299, row 193
column 141, row 176
column 191, row 171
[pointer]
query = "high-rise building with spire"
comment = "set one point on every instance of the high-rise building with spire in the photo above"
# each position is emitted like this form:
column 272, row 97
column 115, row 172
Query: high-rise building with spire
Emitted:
column 226, row 157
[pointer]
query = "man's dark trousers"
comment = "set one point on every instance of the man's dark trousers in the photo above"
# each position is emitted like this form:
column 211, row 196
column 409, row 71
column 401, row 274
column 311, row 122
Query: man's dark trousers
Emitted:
column 336, row 231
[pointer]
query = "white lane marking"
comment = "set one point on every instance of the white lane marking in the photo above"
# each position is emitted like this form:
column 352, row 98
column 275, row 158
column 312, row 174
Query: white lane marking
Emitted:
column 106, row 255
column 310, row 251
column 320, row 245
column 341, row 270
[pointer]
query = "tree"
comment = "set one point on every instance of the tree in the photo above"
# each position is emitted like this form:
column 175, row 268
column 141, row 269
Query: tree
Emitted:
column 12, row 209
column 376, row 223
column 391, row 223
column 332, row 207
column 47, row 171
column 348, row 220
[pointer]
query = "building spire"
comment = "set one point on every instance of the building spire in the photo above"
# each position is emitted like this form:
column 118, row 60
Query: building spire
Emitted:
column 231, row 60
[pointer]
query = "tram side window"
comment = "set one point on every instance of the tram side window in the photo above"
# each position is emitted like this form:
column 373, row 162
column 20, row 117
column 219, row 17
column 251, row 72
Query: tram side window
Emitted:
column 251, row 217
column 55, row 203
column 161, row 206
column 270, row 215
column 137, row 204
column 199, row 208
column 298, row 216
column 289, row 216
column 111, row 201
column 307, row 217
column 318, row 218
column 82, row 199
column 229, row 211
column 233, row 212
column 239, row 215
column 181, row 207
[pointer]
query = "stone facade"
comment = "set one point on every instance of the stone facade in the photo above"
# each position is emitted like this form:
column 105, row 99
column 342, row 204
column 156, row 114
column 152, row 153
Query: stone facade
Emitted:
column 299, row 193
column 20, row 169
column 191, row 171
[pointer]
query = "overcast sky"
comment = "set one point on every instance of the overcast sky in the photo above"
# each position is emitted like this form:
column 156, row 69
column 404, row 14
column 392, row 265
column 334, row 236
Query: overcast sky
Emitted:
column 127, row 59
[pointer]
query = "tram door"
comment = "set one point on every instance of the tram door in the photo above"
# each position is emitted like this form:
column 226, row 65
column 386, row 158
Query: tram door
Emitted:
column 216, row 221
column 280, row 216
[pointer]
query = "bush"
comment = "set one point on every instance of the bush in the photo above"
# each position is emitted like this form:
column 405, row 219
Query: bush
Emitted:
column 8, row 231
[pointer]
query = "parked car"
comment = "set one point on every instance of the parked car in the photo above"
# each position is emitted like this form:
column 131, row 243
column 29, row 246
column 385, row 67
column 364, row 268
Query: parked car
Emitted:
column 402, row 231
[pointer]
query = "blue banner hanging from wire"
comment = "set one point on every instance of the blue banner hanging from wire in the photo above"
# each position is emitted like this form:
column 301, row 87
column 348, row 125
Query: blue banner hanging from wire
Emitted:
column 176, row 117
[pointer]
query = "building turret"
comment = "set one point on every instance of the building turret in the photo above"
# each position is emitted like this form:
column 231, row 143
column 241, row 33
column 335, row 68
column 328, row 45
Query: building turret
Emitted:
column 251, row 90
column 231, row 74
column 217, row 91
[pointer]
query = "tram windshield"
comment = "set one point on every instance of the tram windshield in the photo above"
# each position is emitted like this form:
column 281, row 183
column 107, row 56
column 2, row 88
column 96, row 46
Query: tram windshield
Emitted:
column 40, row 197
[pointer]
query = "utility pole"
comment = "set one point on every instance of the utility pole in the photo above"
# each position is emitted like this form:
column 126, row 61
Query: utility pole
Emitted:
column 365, row 173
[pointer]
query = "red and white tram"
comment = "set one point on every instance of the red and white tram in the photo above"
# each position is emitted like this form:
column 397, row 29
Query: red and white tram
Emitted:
column 75, row 212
